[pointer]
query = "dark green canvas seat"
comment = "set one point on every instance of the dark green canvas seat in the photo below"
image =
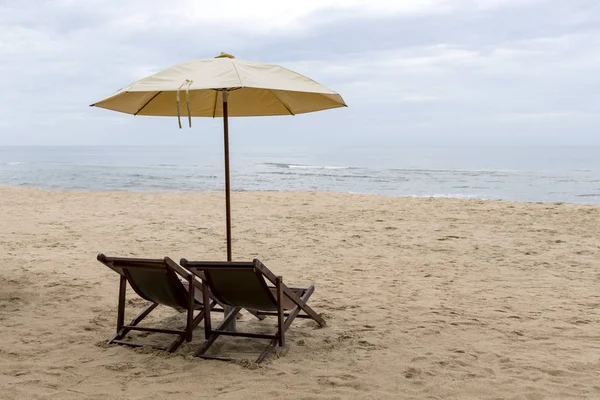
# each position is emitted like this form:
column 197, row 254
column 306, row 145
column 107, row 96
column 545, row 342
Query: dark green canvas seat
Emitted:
column 245, row 285
column 161, row 282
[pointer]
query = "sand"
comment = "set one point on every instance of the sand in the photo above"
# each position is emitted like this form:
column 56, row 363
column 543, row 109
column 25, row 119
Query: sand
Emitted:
column 424, row 298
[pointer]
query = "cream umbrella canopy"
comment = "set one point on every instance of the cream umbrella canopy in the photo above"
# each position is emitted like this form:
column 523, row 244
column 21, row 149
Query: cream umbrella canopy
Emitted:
column 223, row 87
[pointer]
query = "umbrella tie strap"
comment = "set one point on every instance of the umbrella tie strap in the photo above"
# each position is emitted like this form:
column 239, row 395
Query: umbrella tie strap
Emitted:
column 177, row 98
column 187, row 101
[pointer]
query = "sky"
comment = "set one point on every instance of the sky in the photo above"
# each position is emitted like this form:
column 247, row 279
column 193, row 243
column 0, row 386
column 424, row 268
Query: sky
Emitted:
column 426, row 72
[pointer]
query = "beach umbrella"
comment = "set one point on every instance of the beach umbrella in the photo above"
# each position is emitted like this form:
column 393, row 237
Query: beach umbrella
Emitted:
column 223, row 87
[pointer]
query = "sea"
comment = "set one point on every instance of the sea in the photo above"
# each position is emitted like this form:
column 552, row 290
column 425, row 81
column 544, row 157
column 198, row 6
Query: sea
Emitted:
column 527, row 173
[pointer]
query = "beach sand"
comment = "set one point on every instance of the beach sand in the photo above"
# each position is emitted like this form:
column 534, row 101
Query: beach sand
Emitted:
column 424, row 298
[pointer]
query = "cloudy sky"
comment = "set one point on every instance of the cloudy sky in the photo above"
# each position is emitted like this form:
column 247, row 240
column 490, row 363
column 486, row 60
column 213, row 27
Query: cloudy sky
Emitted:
column 413, row 72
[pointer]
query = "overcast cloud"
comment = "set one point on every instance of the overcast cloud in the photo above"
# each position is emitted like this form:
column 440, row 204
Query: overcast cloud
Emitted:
column 412, row 72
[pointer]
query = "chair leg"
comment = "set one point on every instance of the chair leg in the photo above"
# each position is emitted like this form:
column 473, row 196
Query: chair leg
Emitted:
column 190, row 311
column 191, row 323
column 195, row 322
column 191, row 326
column 270, row 347
column 213, row 336
column 300, row 302
column 281, row 324
column 296, row 310
column 206, row 300
column 121, row 306
column 175, row 345
column 280, row 312
column 138, row 318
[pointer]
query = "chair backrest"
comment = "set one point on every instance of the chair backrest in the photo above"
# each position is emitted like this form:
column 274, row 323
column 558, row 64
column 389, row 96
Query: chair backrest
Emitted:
column 237, row 284
column 152, row 279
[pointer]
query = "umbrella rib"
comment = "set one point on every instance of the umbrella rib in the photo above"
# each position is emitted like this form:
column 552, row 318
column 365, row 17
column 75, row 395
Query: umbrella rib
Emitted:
column 282, row 102
column 148, row 102
column 237, row 73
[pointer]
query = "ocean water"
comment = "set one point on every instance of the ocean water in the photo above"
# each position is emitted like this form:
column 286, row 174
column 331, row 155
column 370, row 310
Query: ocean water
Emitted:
column 547, row 174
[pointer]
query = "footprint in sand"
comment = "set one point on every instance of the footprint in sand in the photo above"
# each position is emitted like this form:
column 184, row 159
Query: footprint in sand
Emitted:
column 412, row 373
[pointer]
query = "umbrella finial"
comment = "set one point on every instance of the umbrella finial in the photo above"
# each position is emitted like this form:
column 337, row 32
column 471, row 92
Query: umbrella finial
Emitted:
column 225, row 55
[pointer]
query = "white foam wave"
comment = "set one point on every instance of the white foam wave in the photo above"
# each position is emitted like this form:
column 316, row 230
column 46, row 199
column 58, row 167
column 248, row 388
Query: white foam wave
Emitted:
column 296, row 166
column 449, row 196
column 305, row 166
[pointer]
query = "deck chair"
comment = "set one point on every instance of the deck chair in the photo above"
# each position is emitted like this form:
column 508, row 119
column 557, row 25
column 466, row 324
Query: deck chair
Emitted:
column 243, row 285
column 161, row 282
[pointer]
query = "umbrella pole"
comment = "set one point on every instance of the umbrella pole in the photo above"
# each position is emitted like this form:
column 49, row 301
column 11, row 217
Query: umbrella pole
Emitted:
column 227, row 184
column 232, row 325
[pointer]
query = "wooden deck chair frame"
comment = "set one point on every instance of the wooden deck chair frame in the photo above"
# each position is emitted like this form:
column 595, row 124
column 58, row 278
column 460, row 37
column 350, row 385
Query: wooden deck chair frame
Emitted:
column 177, row 277
column 295, row 298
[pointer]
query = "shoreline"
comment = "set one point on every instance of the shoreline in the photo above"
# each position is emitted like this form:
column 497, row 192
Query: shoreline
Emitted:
column 216, row 192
